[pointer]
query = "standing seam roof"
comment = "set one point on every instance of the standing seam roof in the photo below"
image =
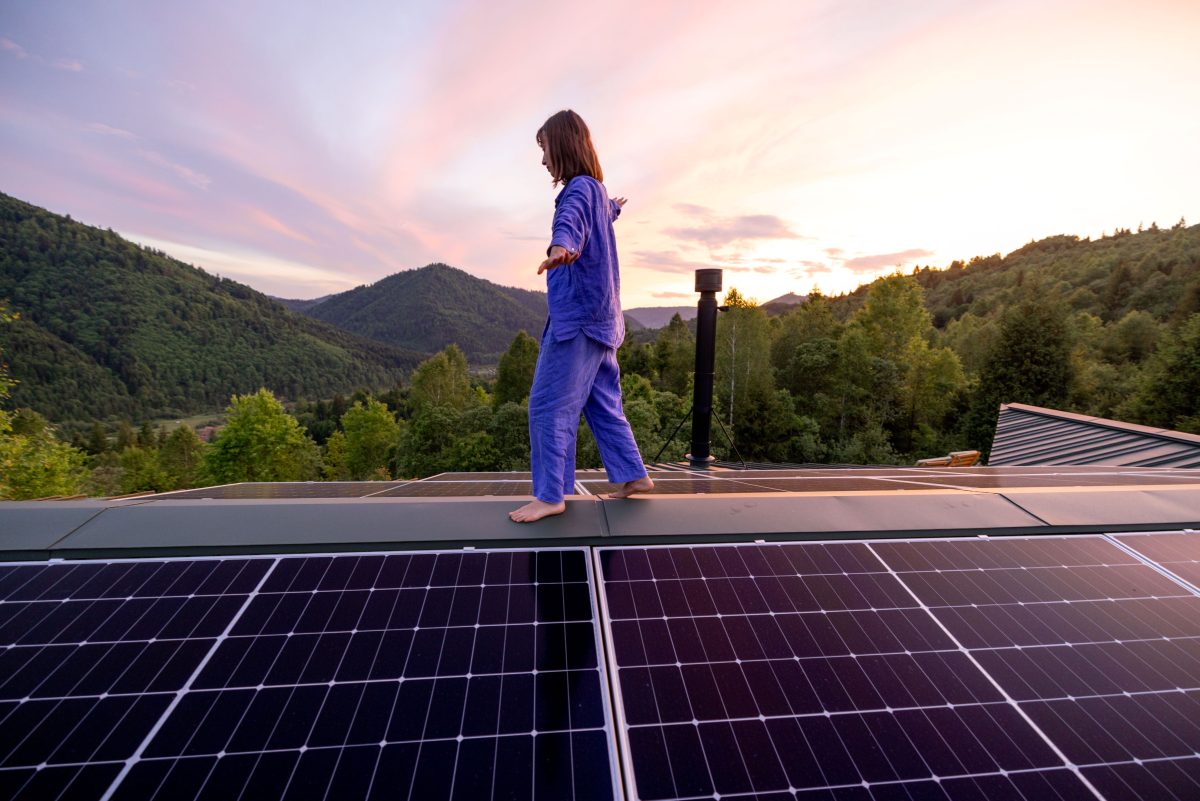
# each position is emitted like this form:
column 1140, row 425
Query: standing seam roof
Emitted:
column 1032, row 435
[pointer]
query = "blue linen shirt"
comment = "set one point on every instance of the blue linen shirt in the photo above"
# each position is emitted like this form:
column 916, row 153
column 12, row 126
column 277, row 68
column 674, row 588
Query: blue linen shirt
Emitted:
column 585, row 295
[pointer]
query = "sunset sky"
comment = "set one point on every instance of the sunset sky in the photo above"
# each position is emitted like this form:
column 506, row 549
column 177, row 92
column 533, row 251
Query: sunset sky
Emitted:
column 307, row 148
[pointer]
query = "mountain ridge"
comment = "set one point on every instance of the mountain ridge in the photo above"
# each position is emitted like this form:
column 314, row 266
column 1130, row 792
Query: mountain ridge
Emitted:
column 430, row 307
column 107, row 327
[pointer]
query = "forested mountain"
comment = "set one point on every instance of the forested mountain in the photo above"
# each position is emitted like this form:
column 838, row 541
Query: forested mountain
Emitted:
column 427, row 309
column 106, row 327
column 1156, row 271
column 781, row 304
column 659, row 316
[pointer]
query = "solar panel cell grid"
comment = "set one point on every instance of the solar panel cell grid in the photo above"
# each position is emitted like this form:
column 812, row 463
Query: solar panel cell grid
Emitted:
column 1178, row 553
column 982, row 668
column 428, row 675
column 1079, row 658
column 94, row 655
column 74, row 783
column 1170, row 780
column 1101, row 662
column 745, row 680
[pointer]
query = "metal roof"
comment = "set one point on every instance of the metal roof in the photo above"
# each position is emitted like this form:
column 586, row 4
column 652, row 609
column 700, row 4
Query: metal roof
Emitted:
column 1032, row 435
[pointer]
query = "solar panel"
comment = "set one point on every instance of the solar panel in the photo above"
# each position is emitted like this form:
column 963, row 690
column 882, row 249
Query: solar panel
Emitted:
column 673, row 486
column 497, row 476
column 944, row 669
column 294, row 489
column 1177, row 552
column 405, row 675
column 1081, row 480
column 458, row 489
column 1098, row 650
column 93, row 656
column 848, row 483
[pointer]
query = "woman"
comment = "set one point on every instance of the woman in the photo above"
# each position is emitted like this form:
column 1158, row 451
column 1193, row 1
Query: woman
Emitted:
column 577, row 365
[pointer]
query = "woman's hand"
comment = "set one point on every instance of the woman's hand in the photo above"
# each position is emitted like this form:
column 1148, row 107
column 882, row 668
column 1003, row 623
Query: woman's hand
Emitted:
column 620, row 201
column 558, row 257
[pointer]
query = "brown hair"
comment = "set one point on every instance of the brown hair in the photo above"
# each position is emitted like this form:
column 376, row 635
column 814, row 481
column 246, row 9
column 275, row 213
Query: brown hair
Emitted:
column 568, row 144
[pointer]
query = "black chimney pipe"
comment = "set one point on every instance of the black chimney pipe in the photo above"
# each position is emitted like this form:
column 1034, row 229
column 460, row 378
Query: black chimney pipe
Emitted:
column 708, row 284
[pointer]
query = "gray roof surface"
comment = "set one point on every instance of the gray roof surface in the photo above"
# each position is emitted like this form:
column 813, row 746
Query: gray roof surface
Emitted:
column 320, row 517
column 1032, row 435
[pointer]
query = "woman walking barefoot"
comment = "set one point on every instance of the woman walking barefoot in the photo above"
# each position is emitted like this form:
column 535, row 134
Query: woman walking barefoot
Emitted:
column 577, row 365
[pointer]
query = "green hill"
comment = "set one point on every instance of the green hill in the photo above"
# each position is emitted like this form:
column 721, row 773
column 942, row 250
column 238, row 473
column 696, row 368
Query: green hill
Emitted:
column 107, row 327
column 1155, row 271
column 429, row 308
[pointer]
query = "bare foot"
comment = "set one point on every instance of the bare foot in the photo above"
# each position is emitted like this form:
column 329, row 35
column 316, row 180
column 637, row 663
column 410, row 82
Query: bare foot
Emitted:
column 536, row 510
column 643, row 484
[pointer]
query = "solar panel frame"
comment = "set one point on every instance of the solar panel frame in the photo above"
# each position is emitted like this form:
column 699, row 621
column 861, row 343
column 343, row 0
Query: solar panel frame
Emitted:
column 622, row 724
column 514, row 475
column 114, row 594
column 41, row 781
column 281, row 490
column 1108, row 719
column 1180, row 767
column 985, row 482
column 460, row 489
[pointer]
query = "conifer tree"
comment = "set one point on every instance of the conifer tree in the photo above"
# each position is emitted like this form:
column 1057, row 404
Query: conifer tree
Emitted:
column 675, row 356
column 1029, row 363
column 514, row 373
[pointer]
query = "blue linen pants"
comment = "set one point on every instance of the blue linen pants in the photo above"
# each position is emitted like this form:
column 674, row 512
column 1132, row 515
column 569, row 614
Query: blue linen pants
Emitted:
column 573, row 376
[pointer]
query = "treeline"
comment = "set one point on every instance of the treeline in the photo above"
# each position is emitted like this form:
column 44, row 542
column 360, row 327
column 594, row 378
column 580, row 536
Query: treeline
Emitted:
column 881, row 387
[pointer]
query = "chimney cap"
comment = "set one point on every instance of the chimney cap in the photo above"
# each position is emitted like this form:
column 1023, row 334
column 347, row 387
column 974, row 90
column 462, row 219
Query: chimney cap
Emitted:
column 708, row 280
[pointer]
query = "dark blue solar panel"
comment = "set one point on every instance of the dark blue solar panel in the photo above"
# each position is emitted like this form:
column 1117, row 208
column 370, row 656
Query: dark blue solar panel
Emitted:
column 419, row 676
column 1022, row 668
column 1098, row 650
column 94, row 654
column 867, row 669
column 1168, row 779
column 763, row 671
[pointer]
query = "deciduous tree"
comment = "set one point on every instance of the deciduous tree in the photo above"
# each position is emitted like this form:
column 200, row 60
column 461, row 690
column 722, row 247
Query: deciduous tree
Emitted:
column 260, row 442
column 371, row 435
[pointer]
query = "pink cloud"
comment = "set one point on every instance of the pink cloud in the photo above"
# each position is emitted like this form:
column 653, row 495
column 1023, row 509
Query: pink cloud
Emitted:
column 667, row 261
column 108, row 130
column 715, row 231
column 883, row 260
column 9, row 46
column 68, row 64
column 812, row 267
column 140, row 189
column 271, row 223
column 196, row 179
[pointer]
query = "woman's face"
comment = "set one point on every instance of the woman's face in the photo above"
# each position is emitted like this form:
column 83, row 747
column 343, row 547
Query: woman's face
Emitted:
column 546, row 159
